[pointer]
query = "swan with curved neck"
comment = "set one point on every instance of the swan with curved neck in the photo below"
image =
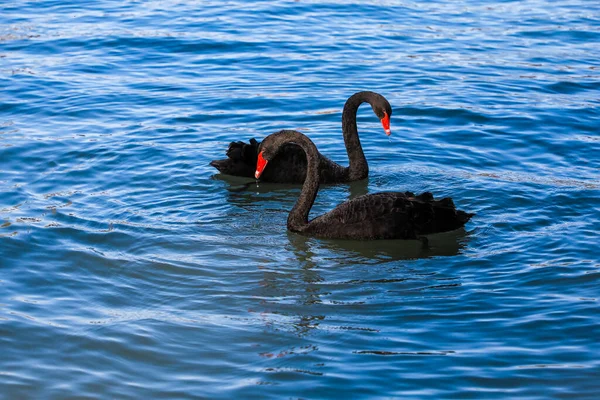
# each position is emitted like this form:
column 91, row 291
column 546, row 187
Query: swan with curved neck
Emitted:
column 290, row 164
column 386, row 215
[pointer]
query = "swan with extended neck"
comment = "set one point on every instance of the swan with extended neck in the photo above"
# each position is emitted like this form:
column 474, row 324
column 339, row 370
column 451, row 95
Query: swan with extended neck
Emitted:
column 289, row 166
column 386, row 215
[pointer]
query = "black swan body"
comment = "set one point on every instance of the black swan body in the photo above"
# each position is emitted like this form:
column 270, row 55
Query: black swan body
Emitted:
column 289, row 166
column 386, row 215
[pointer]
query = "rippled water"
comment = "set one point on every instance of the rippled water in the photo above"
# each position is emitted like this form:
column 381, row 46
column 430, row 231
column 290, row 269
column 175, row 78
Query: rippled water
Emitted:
column 129, row 269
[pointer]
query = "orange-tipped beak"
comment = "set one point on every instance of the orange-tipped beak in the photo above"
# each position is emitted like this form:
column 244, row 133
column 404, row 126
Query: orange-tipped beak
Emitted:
column 261, row 163
column 385, row 121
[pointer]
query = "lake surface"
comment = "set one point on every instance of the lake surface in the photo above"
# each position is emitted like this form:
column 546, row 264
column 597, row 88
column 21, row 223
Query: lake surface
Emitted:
column 130, row 269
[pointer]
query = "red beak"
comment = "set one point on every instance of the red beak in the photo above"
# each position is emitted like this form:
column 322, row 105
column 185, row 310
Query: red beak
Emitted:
column 385, row 121
column 261, row 163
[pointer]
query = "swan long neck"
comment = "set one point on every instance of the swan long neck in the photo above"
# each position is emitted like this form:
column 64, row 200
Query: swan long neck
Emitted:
column 358, row 167
column 298, row 217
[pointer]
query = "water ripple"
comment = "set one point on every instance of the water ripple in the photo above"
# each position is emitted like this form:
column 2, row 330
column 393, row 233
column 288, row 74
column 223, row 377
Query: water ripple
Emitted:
column 134, row 271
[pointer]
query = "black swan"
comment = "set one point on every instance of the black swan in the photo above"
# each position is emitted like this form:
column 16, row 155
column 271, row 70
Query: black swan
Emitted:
column 386, row 215
column 290, row 164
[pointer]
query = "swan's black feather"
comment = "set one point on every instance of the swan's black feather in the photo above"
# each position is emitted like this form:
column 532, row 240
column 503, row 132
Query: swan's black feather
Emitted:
column 388, row 215
column 241, row 159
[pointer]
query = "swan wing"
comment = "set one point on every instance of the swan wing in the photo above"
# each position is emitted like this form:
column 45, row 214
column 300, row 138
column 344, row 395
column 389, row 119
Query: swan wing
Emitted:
column 392, row 215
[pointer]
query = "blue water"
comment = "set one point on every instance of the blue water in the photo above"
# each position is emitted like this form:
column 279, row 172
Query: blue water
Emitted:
column 129, row 269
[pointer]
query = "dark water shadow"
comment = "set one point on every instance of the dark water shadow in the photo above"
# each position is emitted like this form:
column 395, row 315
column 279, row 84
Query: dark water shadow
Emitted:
column 237, row 184
column 305, row 284
column 299, row 293
column 247, row 194
column 440, row 245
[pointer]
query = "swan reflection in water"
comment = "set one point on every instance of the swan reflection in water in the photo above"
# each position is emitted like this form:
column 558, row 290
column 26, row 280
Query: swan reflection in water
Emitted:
column 240, row 190
column 296, row 296
column 373, row 251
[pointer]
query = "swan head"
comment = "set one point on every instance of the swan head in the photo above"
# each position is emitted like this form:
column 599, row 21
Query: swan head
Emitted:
column 272, row 144
column 267, row 151
column 381, row 107
column 383, row 110
column 269, row 148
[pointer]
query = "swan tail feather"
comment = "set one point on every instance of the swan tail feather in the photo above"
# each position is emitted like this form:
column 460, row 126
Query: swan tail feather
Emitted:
column 241, row 159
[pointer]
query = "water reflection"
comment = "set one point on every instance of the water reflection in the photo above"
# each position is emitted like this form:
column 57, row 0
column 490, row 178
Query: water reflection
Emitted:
column 241, row 192
column 298, row 294
column 236, row 184
column 292, row 290
column 358, row 188
column 357, row 251
column 247, row 194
